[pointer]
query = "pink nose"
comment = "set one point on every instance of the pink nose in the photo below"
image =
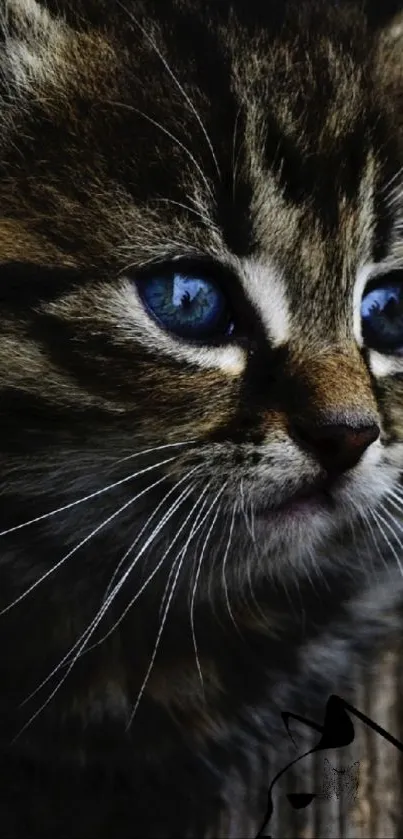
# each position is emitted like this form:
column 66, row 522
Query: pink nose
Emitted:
column 338, row 446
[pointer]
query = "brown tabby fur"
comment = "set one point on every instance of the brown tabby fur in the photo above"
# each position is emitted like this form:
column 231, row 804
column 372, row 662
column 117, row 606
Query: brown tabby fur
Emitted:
column 266, row 139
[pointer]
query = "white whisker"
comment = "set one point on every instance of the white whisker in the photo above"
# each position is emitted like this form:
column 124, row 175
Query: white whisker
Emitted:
column 175, row 80
column 95, row 494
column 223, row 574
column 248, row 564
column 318, row 570
column 157, row 642
column 173, row 137
column 196, row 526
column 390, row 515
column 235, row 162
column 379, row 519
column 179, row 563
column 392, row 180
column 369, row 553
column 370, row 528
column 156, row 645
column 155, row 449
column 91, row 628
column 145, row 526
column 205, row 219
column 199, row 565
column 87, row 538
column 183, row 496
column 398, row 499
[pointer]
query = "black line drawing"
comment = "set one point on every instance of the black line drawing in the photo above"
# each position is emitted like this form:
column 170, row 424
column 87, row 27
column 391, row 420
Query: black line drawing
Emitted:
column 337, row 733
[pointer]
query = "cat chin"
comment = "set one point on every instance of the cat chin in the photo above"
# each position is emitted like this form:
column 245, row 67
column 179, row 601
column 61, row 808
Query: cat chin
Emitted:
column 294, row 537
column 304, row 534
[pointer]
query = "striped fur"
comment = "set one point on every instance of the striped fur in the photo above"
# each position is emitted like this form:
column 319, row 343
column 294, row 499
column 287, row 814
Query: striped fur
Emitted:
column 264, row 139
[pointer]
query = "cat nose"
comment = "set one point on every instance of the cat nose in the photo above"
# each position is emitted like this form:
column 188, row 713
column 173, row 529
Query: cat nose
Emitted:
column 338, row 446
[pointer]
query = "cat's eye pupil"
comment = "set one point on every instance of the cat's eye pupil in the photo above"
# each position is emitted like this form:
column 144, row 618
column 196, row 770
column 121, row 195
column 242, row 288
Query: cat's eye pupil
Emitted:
column 191, row 306
column 382, row 315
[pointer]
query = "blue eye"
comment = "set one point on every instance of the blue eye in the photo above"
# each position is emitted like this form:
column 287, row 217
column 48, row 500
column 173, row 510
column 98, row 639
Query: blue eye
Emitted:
column 382, row 317
column 193, row 307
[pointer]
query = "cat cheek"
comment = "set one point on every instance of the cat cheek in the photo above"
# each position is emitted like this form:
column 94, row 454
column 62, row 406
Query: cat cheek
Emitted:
column 385, row 365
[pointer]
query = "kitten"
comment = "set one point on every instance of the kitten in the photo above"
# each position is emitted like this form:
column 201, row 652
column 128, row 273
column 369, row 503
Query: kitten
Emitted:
column 201, row 393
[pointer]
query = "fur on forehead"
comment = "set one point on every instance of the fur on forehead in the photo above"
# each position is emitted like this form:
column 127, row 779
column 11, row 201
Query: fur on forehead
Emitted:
column 33, row 44
column 56, row 52
column 36, row 32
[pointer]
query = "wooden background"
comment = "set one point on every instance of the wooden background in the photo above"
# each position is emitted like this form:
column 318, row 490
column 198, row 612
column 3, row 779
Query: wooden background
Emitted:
column 359, row 788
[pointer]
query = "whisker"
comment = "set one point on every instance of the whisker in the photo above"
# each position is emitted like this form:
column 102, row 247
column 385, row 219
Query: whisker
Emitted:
column 379, row 519
column 391, row 181
column 175, row 80
column 307, row 571
column 194, row 529
column 370, row 528
column 156, row 645
column 318, row 571
column 90, row 629
column 51, row 696
column 184, row 495
column 358, row 552
column 395, row 197
column 158, row 639
column 87, row 538
column 248, row 521
column 155, row 449
column 187, row 492
column 205, row 219
column 390, row 515
column 243, row 508
column 168, row 133
column 223, row 570
column 252, row 522
column 398, row 498
column 253, row 540
column 199, row 565
column 235, row 162
column 145, row 526
column 179, row 562
column 95, row 494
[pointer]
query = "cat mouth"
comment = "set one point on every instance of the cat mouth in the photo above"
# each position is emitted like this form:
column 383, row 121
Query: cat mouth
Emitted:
column 318, row 496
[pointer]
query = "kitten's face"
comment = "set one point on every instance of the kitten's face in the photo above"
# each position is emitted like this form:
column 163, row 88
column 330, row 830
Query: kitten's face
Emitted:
column 201, row 245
